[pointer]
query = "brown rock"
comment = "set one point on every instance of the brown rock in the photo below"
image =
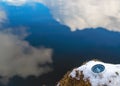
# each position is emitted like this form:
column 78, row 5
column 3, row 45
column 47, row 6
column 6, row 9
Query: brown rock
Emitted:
column 69, row 81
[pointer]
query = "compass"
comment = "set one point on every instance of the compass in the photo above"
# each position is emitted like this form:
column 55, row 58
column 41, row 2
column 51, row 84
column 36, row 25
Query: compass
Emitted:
column 98, row 68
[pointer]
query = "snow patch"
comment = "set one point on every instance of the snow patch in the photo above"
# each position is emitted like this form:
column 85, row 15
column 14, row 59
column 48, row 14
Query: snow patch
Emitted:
column 109, row 77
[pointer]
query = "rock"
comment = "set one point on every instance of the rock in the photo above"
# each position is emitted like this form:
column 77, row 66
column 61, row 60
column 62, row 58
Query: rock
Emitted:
column 93, row 73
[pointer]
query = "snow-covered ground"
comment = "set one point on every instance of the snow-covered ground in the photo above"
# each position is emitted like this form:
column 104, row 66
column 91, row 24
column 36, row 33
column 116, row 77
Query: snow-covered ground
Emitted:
column 109, row 77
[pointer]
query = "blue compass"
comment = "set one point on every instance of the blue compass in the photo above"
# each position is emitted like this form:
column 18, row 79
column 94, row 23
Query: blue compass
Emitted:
column 98, row 68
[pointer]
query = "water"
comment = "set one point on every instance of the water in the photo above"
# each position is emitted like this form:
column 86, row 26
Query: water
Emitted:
column 70, row 49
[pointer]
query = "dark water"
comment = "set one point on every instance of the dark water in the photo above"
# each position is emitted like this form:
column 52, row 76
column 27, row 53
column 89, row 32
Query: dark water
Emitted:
column 70, row 49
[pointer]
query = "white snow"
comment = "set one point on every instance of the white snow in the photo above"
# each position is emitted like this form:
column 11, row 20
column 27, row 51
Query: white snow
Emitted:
column 109, row 77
